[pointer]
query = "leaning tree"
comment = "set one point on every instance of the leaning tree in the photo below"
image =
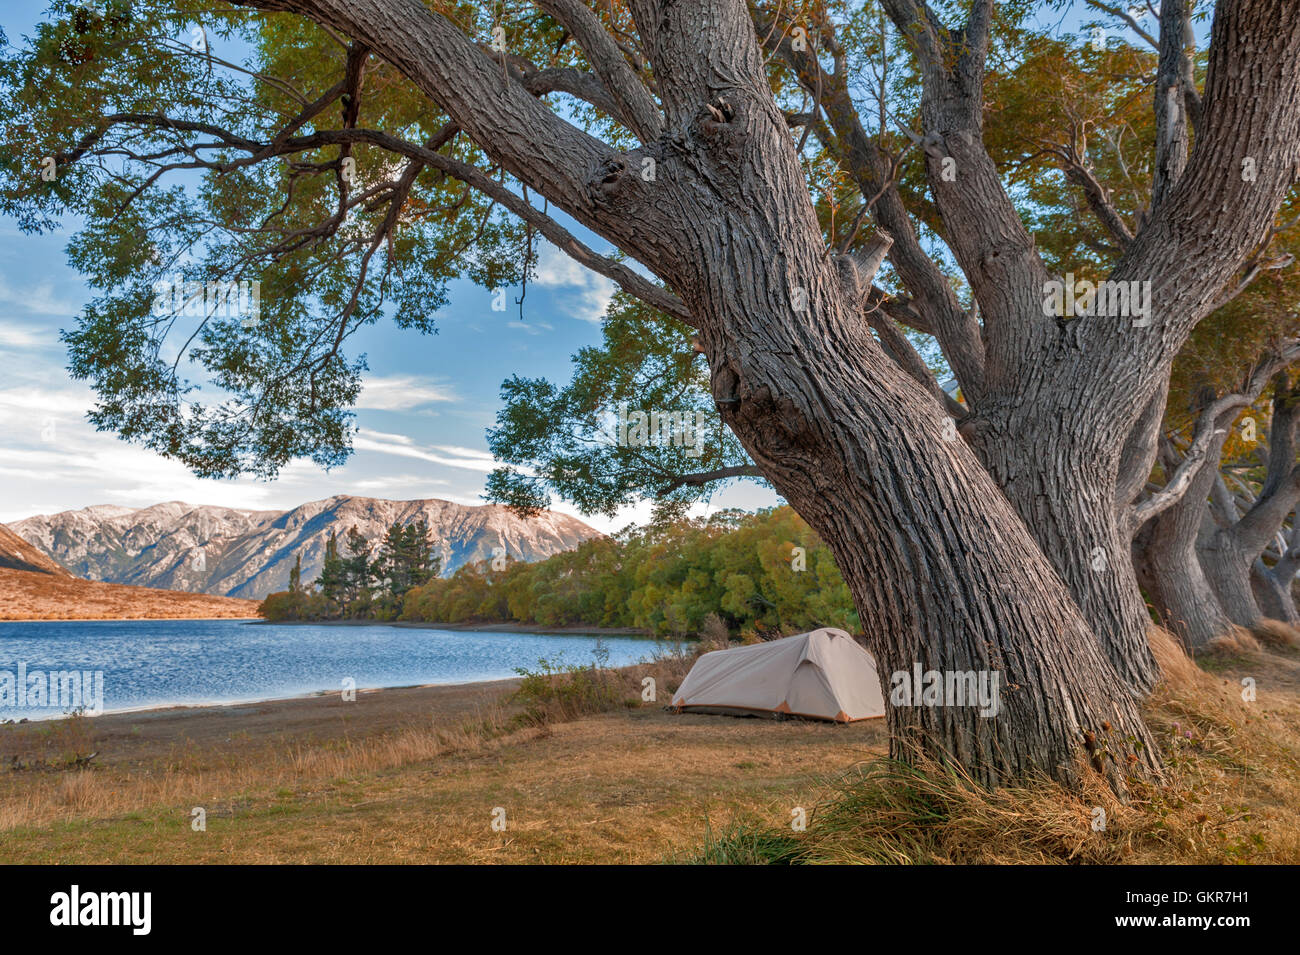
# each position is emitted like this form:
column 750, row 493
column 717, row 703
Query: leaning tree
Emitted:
column 369, row 149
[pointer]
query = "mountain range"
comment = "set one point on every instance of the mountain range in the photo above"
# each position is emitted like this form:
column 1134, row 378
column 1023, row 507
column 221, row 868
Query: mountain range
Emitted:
column 246, row 553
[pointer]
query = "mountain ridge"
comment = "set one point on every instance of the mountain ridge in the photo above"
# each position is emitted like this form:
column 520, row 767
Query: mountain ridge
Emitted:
column 247, row 553
column 16, row 553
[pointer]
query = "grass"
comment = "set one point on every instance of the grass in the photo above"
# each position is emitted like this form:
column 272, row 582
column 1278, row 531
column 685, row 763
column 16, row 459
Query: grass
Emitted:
column 1232, row 793
column 554, row 692
column 623, row 786
column 589, row 772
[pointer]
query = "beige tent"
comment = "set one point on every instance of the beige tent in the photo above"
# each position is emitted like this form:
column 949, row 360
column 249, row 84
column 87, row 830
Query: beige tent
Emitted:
column 823, row 675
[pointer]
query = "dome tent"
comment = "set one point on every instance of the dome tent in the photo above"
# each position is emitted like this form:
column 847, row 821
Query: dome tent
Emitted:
column 822, row 675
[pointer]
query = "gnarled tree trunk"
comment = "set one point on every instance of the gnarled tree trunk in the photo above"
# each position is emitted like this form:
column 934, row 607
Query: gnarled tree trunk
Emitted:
column 1274, row 585
column 1063, row 481
column 1170, row 567
column 1230, row 553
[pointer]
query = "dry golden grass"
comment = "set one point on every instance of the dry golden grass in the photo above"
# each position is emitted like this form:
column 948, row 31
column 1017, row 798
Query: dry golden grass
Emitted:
column 636, row 784
column 556, row 696
column 1233, row 642
column 625, row 786
column 31, row 595
column 1277, row 635
column 189, row 773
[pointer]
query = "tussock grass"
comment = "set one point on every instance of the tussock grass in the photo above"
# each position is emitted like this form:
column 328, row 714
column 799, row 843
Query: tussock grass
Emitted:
column 714, row 634
column 1277, row 635
column 742, row 844
column 1234, row 643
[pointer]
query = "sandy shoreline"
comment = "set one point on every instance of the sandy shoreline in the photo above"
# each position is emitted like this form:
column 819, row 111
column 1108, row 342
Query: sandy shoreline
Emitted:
column 510, row 627
column 163, row 709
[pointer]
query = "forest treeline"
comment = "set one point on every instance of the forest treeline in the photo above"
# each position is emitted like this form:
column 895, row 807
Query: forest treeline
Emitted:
column 764, row 572
column 362, row 580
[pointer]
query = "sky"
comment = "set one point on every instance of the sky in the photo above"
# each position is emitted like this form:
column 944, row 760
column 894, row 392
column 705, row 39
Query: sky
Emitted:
column 422, row 416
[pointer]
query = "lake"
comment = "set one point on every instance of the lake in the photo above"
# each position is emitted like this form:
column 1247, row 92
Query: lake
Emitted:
column 147, row 663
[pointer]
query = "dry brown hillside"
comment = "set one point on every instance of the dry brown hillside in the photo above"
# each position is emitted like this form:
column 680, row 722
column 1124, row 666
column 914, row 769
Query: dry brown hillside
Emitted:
column 33, row 595
column 17, row 554
column 34, row 587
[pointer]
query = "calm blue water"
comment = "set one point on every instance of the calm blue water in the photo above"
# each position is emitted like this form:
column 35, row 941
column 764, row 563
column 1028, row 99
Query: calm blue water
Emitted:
column 162, row 662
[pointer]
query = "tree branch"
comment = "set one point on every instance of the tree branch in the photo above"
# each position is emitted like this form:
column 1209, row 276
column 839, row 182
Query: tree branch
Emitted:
column 982, row 225
column 1173, row 74
column 571, row 168
column 708, row 477
column 629, row 280
column 1123, row 14
column 634, row 104
column 861, row 156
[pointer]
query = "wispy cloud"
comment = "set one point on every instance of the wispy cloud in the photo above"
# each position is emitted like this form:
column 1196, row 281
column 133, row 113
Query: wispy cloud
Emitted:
column 14, row 335
column 592, row 292
column 41, row 298
column 402, row 446
column 402, row 393
column 384, row 486
column 532, row 328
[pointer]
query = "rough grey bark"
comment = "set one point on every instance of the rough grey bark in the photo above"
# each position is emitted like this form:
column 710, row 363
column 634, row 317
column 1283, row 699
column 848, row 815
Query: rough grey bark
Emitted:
column 1230, row 553
column 1173, row 74
column 1166, row 556
column 1274, row 585
column 1140, row 450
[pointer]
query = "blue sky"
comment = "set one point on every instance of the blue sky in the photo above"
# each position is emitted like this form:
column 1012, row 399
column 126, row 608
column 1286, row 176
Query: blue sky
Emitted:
column 422, row 416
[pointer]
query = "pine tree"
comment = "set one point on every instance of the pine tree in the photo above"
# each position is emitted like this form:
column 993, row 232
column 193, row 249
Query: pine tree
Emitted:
column 358, row 572
column 332, row 579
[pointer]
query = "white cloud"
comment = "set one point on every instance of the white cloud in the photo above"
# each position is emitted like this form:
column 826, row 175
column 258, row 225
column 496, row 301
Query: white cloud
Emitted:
column 381, row 486
column 466, row 452
column 402, row 446
column 32, row 406
column 40, row 299
column 26, row 336
column 592, row 292
column 532, row 328
column 402, row 393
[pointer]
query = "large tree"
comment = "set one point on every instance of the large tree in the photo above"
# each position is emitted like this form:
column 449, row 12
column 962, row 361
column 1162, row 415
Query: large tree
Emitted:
column 1002, row 545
